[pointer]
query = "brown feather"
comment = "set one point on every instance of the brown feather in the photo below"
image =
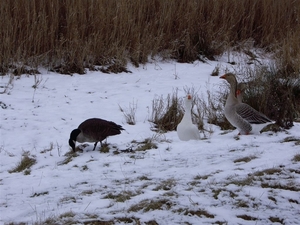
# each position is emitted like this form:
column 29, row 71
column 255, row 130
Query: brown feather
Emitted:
column 94, row 130
column 99, row 129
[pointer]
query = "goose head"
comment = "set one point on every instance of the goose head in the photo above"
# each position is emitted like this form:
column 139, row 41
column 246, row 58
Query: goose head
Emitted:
column 231, row 79
column 188, row 102
column 73, row 137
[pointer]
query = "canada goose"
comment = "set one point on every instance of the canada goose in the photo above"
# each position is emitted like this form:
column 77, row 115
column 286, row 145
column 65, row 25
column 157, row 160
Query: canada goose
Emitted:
column 93, row 130
column 240, row 115
column 186, row 130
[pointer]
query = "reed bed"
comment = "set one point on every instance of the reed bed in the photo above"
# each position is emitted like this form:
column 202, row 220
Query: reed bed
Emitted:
column 68, row 36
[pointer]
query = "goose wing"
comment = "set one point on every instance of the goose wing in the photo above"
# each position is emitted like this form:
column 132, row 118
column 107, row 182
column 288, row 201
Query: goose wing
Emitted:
column 250, row 114
column 99, row 128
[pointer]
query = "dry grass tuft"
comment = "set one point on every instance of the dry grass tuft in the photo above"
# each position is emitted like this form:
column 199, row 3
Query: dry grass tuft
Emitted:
column 241, row 181
column 245, row 159
column 276, row 220
column 147, row 144
column 69, row 157
column 291, row 139
column 166, row 185
column 199, row 213
column 149, row 205
column 166, row 113
column 129, row 113
column 24, row 165
column 122, row 196
column 270, row 171
column 291, row 186
column 104, row 148
column 247, row 217
column 296, row 158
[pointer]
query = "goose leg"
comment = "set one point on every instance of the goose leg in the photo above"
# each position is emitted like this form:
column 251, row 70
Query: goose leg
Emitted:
column 95, row 145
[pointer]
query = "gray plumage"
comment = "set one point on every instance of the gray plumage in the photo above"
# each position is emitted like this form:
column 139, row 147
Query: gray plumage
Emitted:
column 94, row 130
column 241, row 87
column 240, row 115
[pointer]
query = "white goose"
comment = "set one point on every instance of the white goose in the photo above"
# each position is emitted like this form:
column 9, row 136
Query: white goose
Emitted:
column 186, row 130
column 241, row 115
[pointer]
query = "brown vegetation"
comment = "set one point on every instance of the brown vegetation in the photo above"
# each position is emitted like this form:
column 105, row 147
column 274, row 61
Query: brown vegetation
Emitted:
column 274, row 92
column 69, row 36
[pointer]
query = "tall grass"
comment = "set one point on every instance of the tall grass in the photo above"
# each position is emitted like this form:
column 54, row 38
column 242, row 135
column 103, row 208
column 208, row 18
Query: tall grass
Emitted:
column 68, row 36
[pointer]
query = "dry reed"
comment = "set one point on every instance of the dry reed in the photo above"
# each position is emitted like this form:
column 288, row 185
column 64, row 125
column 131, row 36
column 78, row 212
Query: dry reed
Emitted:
column 68, row 36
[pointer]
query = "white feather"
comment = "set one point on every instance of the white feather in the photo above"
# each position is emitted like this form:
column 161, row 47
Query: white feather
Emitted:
column 186, row 130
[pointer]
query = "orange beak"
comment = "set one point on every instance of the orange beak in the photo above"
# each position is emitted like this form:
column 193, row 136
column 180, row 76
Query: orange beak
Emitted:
column 238, row 92
column 189, row 97
column 223, row 77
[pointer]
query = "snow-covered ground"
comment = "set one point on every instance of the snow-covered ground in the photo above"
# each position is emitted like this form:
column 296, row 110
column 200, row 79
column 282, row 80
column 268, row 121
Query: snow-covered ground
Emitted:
column 252, row 179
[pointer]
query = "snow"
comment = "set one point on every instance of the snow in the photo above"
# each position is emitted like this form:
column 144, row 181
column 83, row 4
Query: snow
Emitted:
column 189, row 176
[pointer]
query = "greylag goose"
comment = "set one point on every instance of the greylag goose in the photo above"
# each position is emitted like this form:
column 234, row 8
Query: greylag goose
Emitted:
column 94, row 130
column 241, row 87
column 240, row 115
column 186, row 130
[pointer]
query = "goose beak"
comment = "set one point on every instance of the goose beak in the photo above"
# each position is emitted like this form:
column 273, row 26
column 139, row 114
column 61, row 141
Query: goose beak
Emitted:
column 223, row 77
column 189, row 97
